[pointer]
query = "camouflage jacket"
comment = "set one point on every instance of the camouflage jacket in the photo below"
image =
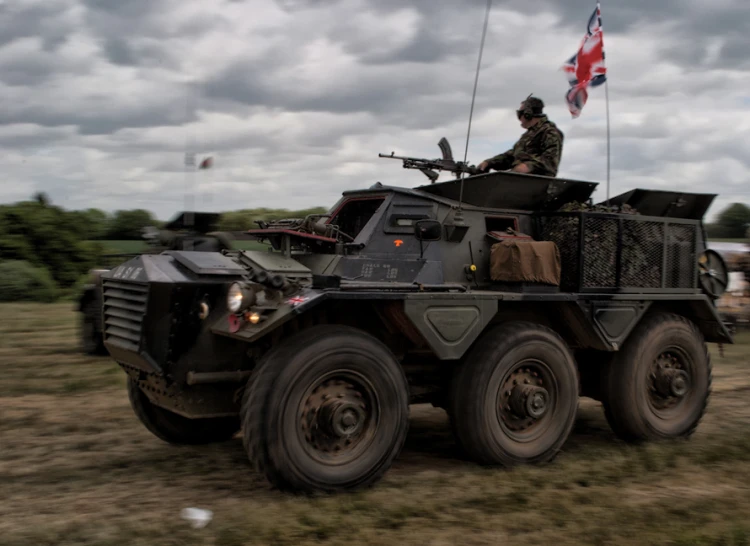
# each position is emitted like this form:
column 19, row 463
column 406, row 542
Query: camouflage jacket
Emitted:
column 540, row 147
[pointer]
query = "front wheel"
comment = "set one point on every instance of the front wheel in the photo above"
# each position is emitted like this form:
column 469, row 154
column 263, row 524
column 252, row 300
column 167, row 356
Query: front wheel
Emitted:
column 327, row 411
column 658, row 386
column 176, row 429
column 515, row 396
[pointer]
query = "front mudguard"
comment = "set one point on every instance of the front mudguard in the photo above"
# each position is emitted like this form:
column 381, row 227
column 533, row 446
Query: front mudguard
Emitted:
column 237, row 326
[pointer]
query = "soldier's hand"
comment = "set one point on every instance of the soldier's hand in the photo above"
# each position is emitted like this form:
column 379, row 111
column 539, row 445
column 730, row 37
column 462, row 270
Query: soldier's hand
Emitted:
column 521, row 168
column 484, row 166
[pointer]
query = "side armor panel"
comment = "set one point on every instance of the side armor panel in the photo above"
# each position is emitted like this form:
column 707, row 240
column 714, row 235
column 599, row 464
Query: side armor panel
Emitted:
column 450, row 326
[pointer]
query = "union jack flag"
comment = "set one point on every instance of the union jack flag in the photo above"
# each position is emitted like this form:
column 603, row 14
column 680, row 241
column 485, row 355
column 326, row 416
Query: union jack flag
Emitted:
column 296, row 300
column 586, row 68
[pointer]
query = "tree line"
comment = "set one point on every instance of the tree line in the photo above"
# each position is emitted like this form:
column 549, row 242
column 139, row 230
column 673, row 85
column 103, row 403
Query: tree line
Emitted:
column 47, row 251
column 732, row 223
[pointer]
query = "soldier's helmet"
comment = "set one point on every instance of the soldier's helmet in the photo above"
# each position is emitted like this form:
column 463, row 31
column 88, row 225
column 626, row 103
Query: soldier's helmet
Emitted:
column 532, row 107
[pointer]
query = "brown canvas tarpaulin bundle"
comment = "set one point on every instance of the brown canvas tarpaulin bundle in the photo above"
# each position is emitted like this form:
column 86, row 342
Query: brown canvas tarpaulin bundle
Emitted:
column 525, row 261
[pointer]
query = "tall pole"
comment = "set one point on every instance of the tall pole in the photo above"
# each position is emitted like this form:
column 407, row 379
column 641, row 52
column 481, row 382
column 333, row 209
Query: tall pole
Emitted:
column 606, row 94
column 606, row 99
column 473, row 97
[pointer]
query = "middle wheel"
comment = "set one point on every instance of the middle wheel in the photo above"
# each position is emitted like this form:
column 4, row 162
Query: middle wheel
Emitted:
column 514, row 398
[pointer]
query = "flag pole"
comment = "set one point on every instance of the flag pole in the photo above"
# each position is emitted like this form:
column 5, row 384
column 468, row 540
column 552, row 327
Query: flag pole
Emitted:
column 606, row 98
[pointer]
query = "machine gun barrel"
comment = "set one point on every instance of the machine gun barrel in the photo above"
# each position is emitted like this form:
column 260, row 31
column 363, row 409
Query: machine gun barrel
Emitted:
column 391, row 156
column 429, row 166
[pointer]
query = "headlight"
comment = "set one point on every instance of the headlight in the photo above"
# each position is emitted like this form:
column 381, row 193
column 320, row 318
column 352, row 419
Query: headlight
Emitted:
column 235, row 297
column 240, row 297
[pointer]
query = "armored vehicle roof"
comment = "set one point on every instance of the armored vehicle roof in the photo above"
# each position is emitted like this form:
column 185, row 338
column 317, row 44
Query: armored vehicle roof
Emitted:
column 499, row 190
column 528, row 192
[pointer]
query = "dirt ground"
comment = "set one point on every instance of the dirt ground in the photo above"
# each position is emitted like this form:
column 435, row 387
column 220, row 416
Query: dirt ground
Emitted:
column 76, row 467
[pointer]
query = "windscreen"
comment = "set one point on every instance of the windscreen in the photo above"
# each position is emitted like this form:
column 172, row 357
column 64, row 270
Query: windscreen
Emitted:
column 354, row 214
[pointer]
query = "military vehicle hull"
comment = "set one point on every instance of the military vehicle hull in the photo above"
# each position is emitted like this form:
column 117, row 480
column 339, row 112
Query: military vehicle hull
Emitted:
column 503, row 316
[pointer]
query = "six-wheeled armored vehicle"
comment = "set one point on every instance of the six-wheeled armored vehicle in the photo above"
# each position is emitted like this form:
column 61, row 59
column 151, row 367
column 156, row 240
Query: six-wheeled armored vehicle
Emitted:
column 502, row 299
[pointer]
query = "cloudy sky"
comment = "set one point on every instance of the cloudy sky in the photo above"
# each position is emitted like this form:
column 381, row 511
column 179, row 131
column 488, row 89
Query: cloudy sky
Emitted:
column 294, row 99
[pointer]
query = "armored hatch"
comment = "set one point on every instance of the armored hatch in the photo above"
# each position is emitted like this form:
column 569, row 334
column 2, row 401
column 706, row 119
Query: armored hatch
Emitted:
column 509, row 190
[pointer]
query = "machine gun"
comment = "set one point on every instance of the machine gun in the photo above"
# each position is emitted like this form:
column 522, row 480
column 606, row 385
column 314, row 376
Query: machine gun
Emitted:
column 429, row 166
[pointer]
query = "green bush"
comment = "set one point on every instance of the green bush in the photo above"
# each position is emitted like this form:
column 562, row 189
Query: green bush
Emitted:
column 21, row 281
column 49, row 237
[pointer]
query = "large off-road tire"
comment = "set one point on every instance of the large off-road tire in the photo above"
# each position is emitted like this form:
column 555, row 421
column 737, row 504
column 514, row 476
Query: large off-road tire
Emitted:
column 327, row 411
column 514, row 398
column 176, row 429
column 92, row 337
column 658, row 385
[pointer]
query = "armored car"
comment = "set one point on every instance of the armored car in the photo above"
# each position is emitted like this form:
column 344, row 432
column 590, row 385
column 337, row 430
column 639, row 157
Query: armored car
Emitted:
column 501, row 298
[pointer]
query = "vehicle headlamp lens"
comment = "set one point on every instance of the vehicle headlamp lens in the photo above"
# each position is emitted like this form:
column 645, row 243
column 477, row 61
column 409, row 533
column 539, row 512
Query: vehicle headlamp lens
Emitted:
column 234, row 298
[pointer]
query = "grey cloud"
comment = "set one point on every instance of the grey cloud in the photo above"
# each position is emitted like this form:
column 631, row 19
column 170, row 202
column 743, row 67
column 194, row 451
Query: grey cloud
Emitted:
column 100, row 119
column 734, row 52
column 389, row 96
column 132, row 9
column 33, row 68
column 293, row 6
column 119, row 52
column 437, row 38
column 25, row 136
column 19, row 21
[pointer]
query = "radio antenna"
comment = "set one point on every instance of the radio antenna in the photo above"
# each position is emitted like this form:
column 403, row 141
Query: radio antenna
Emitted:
column 473, row 97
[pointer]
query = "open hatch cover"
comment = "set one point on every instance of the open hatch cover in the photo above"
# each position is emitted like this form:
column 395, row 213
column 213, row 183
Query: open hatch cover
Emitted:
column 509, row 190
column 671, row 204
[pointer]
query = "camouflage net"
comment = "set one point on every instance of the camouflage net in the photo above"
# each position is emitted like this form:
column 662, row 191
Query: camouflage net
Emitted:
column 642, row 248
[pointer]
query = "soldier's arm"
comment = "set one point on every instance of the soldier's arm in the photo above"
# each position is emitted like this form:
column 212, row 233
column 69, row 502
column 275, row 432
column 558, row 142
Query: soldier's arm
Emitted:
column 549, row 159
column 502, row 161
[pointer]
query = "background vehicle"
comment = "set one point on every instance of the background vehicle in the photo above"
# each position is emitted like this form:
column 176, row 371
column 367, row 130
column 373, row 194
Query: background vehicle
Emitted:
column 188, row 230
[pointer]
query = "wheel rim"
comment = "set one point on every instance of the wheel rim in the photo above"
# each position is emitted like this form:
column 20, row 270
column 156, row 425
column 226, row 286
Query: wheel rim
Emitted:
column 669, row 383
column 527, row 400
column 338, row 417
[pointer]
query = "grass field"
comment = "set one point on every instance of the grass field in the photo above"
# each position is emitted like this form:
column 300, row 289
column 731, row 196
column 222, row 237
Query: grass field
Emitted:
column 76, row 467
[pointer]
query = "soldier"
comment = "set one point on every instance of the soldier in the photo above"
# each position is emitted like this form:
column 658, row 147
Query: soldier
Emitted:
column 538, row 150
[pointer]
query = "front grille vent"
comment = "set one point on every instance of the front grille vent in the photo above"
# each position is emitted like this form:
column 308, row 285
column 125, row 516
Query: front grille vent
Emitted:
column 124, row 309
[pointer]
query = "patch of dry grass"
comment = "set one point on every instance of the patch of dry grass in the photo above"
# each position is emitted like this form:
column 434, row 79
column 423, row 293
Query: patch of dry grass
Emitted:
column 76, row 467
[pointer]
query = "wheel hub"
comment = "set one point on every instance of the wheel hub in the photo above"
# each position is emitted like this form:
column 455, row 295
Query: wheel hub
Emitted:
column 524, row 400
column 529, row 401
column 342, row 418
column 670, row 382
column 335, row 418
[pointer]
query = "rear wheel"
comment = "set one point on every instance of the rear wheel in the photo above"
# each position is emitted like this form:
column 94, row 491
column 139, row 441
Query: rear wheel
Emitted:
column 176, row 429
column 514, row 398
column 327, row 411
column 658, row 386
column 91, row 333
